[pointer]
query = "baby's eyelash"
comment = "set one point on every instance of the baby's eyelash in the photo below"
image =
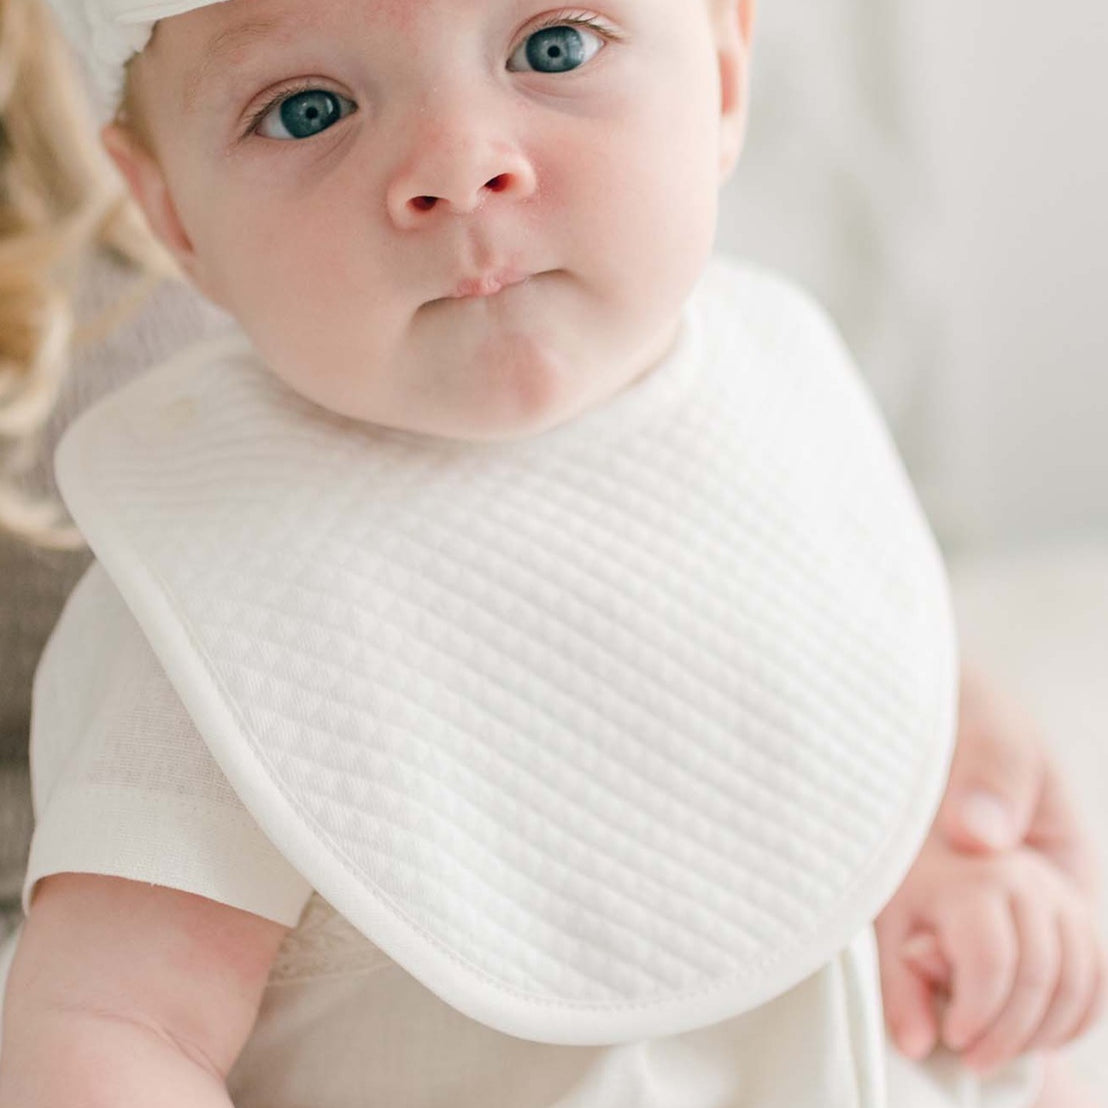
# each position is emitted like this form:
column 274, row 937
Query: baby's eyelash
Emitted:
column 574, row 17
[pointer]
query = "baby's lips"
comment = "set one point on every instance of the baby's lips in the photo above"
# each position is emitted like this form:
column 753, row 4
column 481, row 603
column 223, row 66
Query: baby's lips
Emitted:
column 922, row 952
column 488, row 283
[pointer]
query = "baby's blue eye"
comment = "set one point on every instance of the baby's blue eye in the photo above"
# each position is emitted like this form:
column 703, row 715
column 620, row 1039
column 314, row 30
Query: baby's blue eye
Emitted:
column 304, row 114
column 556, row 49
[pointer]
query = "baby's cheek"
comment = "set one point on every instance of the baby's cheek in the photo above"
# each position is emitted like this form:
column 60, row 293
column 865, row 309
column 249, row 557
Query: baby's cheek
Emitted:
column 286, row 281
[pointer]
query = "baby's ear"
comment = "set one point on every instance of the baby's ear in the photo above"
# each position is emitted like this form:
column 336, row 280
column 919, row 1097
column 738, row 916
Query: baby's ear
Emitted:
column 146, row 180
column 734, row 27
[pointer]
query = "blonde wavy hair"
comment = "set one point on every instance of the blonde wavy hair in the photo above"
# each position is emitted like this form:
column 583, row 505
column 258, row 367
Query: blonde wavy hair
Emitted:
column 60, row 202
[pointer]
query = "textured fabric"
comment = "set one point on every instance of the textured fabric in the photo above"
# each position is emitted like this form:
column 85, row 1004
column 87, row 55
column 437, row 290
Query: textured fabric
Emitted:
column 140, row 797
column 607, row 733
column 123, row 784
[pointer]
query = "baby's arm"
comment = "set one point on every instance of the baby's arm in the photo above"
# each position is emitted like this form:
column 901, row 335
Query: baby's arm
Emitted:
column 123, row 993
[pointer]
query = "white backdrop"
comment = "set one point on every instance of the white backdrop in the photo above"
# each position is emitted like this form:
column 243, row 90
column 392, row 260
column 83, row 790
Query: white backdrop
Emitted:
column 937, row 173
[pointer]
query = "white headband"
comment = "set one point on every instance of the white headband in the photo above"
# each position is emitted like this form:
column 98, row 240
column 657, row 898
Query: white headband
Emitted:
column 108, row 33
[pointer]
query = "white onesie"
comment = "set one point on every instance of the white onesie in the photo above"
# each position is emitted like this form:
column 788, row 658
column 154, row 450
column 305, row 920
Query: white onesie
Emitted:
column 606, row 746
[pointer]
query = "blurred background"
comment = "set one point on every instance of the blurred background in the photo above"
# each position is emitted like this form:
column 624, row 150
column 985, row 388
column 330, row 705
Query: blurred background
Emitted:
column 936, row 174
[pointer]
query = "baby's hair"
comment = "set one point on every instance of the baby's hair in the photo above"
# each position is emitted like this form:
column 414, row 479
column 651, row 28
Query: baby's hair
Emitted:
column 60, row 201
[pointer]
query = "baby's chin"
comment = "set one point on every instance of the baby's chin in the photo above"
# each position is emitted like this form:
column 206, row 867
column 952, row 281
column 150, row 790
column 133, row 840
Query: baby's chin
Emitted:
column 505, row 404
column 522, row 388
column 515, row 386
column 511, row 389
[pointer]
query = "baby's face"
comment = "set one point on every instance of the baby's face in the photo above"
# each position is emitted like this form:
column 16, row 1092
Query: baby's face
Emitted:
column 471, row 218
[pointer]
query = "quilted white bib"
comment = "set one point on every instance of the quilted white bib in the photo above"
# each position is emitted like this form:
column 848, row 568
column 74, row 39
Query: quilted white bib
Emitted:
column 604, row 735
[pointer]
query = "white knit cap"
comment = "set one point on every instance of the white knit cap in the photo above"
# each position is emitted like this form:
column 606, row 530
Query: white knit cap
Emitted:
column 108, row 33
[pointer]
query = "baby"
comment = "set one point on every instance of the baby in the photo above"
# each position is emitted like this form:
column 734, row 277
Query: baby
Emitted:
column 516, row 671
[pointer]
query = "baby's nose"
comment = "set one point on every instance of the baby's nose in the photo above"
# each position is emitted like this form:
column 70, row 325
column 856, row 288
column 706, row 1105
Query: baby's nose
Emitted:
column 458, row 178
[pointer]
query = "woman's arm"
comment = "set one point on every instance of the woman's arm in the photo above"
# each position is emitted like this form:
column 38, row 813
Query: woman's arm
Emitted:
column 1007, row 790
column 123, row 993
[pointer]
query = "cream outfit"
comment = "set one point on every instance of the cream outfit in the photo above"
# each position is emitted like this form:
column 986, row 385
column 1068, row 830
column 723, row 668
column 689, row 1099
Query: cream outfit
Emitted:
column 606, row 746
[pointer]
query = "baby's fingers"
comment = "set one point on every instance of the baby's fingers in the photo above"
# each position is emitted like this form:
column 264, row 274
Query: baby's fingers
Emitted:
column 1079, row 983
column 1034, row 985
column 909, row 1006
column 978, row 938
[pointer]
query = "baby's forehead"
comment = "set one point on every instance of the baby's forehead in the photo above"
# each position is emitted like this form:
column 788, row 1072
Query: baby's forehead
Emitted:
column 258, row 18
column 216, row 38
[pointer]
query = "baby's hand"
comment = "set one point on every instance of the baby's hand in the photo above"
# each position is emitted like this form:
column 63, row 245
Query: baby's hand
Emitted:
column 1006, row 943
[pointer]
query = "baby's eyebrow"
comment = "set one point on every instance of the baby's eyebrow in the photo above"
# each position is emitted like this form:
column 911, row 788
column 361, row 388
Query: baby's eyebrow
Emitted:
column 221, row 46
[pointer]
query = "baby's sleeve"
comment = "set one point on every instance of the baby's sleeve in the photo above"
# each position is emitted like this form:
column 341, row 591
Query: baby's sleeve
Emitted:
column 123, row 784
